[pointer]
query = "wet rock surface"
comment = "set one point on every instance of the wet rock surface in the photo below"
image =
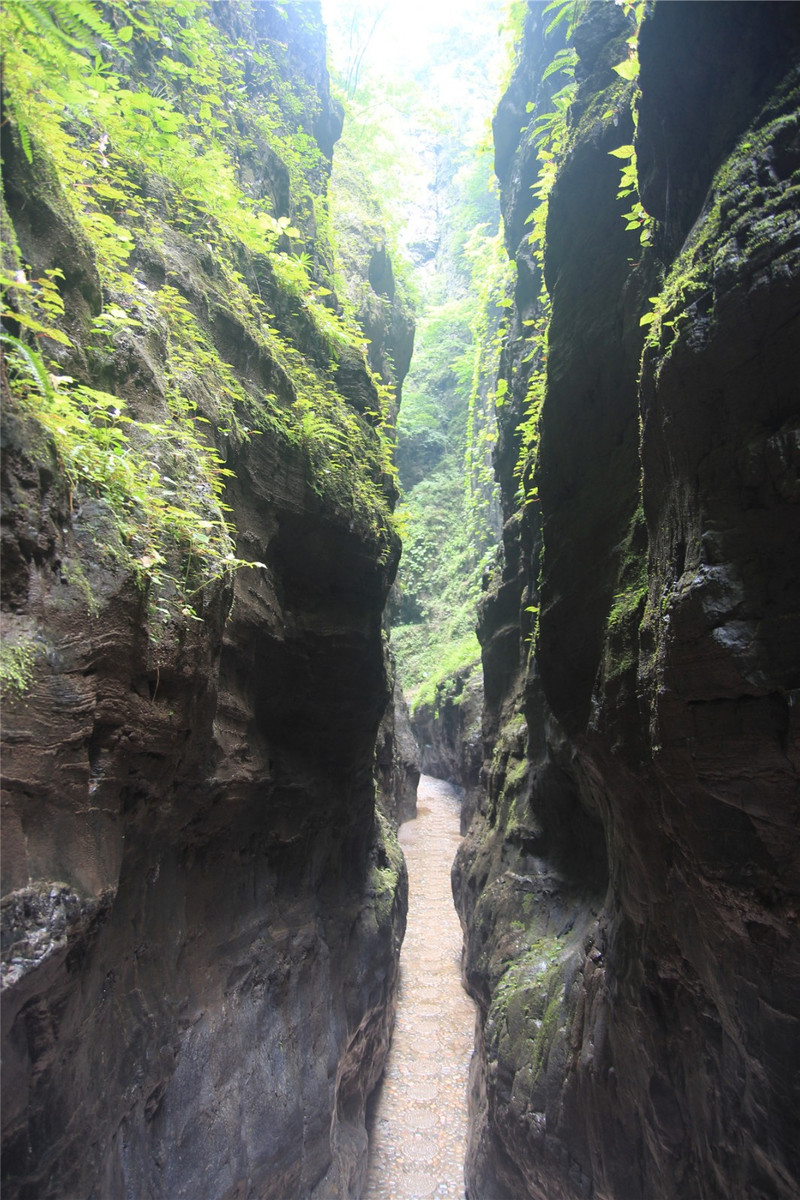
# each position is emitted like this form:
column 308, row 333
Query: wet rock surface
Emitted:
column 418, row 1119
column 629, row 887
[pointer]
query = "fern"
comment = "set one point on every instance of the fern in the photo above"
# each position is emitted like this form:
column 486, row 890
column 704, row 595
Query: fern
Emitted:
column 566, row 60
column 56, row 37
column 81, row 23
column 565, row 10
column 37, row 18
column 64, row 25
column 30, row 360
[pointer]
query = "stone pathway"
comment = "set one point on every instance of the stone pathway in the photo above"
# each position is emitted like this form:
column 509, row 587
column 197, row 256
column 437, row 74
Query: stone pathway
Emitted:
column 419, row 1121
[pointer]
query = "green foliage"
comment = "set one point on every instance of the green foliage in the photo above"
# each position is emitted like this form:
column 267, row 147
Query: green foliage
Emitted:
column 448, row 401
column 628, row 605
column 435, row 663
column 550, row 134
column 16, row 666
column 737, row 225
column 490, row 278
column 361, row 222
column 404, row 119
column 163, row 484
column 564, row 12
column 636, row 219
column 523, row 1019
column 151, row 125
column 375, row 139
column 511, row 31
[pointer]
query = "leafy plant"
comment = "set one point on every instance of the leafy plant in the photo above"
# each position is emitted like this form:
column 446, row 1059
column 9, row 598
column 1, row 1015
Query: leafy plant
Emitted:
column 564, row 11
column 636, row 219
column 140, row 118
column 392, row 125
column 550, row 134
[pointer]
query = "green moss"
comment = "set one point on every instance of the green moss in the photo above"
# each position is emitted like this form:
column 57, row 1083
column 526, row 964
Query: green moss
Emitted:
column 628, row 604
column 516, row 772
column 511, row 738
column 545, row 1034
column 746, row 220
column 438, row 669
column 514, row 797
column 16, row 665
column 524, row 1014
column 530, row 973
column 509, row 758
column 603, row 109
column 386, row 871
column 73, row 571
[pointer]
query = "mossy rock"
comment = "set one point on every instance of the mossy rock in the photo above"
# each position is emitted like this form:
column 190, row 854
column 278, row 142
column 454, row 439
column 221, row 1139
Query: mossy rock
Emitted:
column 524, row 1019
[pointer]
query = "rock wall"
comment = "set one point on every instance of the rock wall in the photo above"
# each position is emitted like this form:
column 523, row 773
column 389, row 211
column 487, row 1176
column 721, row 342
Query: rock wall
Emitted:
column 449, row 735
column 629, row 886
column 397, row 758
column 202, row 909
column 384, row 313
column 384, row 309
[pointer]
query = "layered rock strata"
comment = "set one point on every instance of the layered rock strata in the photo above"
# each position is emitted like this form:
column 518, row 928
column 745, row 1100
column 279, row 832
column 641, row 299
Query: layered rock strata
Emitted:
column 202, row 909
column 629, row 887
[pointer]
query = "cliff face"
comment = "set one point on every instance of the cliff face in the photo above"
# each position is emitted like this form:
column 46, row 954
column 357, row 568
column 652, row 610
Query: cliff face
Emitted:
column 629, row 887
column 385, row 316
column 202, row 910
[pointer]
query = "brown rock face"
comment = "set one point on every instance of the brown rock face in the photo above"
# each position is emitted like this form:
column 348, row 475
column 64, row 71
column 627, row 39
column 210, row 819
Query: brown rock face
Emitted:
column 202, row 910
column 629, row 888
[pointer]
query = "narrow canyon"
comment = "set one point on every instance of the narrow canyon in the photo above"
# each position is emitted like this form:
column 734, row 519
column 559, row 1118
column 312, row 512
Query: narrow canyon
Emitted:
column 387, row 389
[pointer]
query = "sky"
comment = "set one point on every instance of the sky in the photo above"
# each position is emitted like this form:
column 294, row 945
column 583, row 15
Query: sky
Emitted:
column 431, row 69
column 409, row 34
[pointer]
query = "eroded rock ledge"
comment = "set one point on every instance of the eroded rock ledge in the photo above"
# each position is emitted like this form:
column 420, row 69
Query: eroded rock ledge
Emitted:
column 629, row 888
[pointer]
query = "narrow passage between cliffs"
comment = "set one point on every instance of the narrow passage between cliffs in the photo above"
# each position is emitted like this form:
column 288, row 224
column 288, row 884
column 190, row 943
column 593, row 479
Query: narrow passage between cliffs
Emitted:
column 419, row 1116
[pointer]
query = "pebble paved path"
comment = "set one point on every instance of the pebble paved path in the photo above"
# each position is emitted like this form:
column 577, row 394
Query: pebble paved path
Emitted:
column 419, row 1122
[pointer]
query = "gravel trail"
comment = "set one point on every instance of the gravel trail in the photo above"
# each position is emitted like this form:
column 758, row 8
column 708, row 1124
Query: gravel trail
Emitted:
column 419, row 1121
